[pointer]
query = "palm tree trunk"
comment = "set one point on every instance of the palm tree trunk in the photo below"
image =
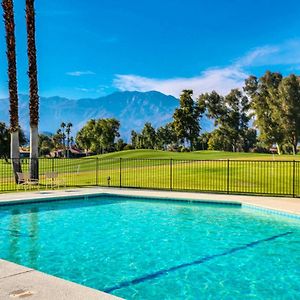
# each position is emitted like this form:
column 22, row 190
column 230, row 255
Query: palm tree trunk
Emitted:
column 278, row 148
column 68, row 145
column 9, row 21
column 33, row 93
column 295, row 143
column 15, row 153
column 34, row 163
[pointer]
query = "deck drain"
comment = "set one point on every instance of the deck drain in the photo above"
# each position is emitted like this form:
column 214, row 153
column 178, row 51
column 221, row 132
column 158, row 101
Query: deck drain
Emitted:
column 21, row 294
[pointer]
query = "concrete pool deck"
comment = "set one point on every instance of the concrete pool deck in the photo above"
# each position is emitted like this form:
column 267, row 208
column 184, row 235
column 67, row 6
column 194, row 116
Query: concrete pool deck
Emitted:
column 17, row 282
column 280, row 204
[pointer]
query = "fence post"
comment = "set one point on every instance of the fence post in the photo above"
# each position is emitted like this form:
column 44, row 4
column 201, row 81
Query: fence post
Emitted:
column 97, row 169
column 171, row 174
column 228, row 178
column 120, row 172
column 294, row 173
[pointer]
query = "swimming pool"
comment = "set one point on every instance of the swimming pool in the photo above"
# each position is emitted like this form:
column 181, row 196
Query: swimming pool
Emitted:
column 146, row 249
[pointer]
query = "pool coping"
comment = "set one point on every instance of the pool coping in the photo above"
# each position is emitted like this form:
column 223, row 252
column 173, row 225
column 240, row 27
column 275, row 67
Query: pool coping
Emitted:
column 19, row 279
column 283, row 205
column 18, row 282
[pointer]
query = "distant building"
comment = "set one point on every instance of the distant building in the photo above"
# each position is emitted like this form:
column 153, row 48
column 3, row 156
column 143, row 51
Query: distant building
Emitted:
column 24, row 153
column 74, row 153
column 273, row 150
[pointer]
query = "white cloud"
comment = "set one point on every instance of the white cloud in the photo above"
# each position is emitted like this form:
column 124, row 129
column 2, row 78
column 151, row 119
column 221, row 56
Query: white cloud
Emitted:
column 80, row 73
column 253, row 57
column 99, row 90
column 221, row 80
column 286, row 54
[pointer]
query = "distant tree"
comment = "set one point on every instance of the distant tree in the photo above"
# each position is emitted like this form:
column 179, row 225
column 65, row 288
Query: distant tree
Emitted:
column 84, row 138
column 46, row 145
column 218, row 141
column 265, row 101
column 186, row 119
column 128, row 147
column 120, row 145
column 71, row 141
column 63, row 136
column 250, row 140
column 148, row 136
column 57, row 139
column 137, row 140
column 68, row 132
column 202, row 141
column 109, row 131
column 166, row 136
column 231, row 115
column 5, row 140
column 98, row 135
column 134, row 139
column 288, row 112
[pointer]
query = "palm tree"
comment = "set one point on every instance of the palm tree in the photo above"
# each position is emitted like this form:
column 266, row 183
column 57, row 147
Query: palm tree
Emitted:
column 57, row 139
column 68, row 131
column 71, row 141
column 63, row 126
column 9, row 21
column 33, row 90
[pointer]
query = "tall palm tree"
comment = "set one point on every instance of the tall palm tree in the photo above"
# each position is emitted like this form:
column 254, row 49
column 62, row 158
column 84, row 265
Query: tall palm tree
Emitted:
column 57, row 139
column 68, row 131
column 33, row 89
column 63, row 126
column 8, row 8
column 71, row 141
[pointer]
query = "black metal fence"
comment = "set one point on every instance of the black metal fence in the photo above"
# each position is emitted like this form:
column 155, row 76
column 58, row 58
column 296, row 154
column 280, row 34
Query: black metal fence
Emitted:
column 280, row 178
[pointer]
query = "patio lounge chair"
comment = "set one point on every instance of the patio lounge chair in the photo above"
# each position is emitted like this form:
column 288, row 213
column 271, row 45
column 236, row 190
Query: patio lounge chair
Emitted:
column 23, row 179
column 53, row 180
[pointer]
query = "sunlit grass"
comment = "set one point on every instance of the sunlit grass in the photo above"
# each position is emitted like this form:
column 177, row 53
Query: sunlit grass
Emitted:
column 255, row 173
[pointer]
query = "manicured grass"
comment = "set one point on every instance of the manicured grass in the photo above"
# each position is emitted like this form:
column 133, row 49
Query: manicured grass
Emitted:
column 200, row 155
column 201, row 171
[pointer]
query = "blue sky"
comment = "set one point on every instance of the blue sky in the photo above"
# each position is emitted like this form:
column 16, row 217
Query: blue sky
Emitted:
column 92, row 48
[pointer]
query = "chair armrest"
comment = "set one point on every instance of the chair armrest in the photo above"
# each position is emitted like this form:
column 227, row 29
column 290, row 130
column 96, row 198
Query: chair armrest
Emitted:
column 33, row 180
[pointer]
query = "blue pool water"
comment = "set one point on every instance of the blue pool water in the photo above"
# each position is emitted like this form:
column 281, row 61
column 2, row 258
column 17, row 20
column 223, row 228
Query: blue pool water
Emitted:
column 140, row 249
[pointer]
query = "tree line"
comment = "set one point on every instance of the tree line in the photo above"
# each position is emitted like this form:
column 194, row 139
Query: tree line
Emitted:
column 231, row 118
column 61, row 140
column 275, row 101
column 263, row 114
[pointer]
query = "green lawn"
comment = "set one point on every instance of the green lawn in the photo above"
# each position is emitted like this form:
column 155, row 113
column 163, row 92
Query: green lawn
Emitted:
column 201, row 171
column 200, row 155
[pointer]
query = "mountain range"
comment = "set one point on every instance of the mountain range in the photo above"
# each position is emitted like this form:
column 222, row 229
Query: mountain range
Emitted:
column 132, row 109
